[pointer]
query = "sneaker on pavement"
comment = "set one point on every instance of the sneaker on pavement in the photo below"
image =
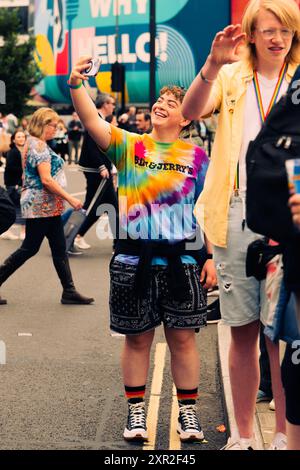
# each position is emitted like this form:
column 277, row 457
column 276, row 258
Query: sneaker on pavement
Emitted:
column 213, row 292
column 238, row 444
column 136, row 429
column 73, row 250
column 279, row 442
column 8, row 235
column 262, row 396
column 272, row 405
column 188, row 427
column 213, row 311
column 3, row 301
column 80, row 243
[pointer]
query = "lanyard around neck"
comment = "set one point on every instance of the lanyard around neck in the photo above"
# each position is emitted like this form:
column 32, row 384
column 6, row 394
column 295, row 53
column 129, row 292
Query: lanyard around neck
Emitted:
column 263, row 115
column 274, row 98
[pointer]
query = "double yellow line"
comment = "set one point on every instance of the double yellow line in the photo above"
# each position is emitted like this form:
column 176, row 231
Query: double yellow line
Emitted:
column 154, row 402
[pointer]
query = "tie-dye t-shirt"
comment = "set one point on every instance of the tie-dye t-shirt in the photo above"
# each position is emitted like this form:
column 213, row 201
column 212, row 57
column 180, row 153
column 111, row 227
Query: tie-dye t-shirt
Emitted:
column 36, row 200
column 158, row 185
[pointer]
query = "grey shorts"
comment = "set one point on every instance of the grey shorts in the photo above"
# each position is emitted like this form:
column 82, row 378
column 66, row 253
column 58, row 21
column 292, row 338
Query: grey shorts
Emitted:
column 242, row 299
column 131, row 315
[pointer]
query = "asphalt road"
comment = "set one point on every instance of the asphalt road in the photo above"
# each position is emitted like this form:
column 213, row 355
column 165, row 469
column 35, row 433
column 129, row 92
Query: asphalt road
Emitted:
column 60, row 386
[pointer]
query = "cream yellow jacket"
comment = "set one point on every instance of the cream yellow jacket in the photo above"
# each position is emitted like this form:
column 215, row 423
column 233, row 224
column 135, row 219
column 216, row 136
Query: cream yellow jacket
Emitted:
column 229, row 94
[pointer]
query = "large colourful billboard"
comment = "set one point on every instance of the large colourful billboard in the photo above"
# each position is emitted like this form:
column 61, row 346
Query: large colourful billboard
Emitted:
column 119, row 29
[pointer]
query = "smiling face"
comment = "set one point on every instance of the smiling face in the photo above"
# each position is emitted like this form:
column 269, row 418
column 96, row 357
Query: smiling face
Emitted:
column 20, row 139
column 271, row 38
column 166, row 113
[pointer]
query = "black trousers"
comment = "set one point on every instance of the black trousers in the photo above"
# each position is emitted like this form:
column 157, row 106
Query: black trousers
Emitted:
column 264, row 365
column 38, row 229
column 107, row 197
column 290, row 374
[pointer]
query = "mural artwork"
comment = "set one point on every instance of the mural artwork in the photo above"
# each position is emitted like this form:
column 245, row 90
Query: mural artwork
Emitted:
column 119, row 30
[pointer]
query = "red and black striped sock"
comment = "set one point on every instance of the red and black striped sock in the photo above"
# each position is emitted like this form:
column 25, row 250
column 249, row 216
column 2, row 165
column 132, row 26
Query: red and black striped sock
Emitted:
column 187, row 397
column 135, row 394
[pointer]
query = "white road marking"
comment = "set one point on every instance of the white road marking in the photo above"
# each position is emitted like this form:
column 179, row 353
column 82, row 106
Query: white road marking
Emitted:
column 174, row 441
column 153, row 409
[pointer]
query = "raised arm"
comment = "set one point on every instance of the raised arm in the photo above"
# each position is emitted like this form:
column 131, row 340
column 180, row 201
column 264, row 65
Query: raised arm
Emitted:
column 98, row 128
column 199, row 100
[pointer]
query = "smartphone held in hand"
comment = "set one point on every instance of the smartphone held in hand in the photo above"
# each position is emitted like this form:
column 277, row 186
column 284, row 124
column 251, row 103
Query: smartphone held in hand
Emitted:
column 293, row 173
column 93, row 68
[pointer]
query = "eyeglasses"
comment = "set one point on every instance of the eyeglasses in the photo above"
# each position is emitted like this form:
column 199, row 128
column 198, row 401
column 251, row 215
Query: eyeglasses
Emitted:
column 271, row 33
column 52, row 125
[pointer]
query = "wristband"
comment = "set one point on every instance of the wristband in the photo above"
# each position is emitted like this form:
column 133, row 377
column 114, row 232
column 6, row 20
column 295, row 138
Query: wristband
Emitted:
column 209, row 256
column 74, row 87
column 206, row 80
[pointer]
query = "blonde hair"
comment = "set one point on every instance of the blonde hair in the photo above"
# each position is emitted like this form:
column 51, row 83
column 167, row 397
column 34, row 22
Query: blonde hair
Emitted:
column 40, row 119
column 286, row 11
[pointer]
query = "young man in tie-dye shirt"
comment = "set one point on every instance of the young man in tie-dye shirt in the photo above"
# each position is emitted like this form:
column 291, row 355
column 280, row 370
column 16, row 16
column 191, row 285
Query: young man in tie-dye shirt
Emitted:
column 156, row 273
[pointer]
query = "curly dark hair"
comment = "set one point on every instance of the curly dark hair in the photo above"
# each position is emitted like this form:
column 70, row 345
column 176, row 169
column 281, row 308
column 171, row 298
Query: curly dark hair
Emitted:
column 178, row 91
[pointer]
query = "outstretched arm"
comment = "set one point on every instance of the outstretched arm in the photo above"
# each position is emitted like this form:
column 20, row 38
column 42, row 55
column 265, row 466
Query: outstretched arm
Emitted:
column 199, row 101
column 98, row 128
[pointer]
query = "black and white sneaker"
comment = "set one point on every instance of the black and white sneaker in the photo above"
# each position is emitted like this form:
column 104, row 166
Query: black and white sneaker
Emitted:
column 213, row 311
column 74, row 251
column 213, row 306
column 136, row 429
column 189, row 428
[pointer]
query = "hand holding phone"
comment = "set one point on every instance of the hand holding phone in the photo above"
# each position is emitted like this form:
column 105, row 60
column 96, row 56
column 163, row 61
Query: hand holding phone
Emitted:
column 93, row 68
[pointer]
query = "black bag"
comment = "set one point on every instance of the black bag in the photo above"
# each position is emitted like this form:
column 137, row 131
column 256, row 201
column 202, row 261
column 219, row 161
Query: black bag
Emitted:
column 7, row 211
column 259, row 254
column 267, row 185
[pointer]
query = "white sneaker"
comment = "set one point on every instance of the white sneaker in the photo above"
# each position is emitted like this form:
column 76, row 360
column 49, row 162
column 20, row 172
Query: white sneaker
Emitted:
column 238, row 444
column 80, row 243
column 214, row 292
column 272, row 405
column 8, row 235
column 279, row 442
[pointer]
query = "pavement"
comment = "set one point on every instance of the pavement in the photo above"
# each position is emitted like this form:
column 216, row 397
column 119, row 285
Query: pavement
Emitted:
column 61, row 385
column 264, row 423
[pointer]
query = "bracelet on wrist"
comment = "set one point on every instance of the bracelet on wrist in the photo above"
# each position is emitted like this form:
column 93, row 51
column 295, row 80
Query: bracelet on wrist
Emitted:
column 209, row 256
column 74, row 87
column 206, row 80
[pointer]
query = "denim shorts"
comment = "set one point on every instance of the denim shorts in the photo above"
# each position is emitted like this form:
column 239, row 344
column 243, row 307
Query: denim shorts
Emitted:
column 132, row 315
column 242, row 299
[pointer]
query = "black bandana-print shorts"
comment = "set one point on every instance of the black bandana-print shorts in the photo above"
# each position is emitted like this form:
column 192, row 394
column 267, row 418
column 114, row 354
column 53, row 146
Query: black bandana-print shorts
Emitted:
column 131, row 315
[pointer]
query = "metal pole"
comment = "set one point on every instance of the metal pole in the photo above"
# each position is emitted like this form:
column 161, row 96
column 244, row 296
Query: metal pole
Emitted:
column 117, row 31
column 152, row 28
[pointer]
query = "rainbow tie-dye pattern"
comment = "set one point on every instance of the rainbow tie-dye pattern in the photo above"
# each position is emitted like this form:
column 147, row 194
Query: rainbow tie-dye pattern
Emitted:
column 159, row 184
